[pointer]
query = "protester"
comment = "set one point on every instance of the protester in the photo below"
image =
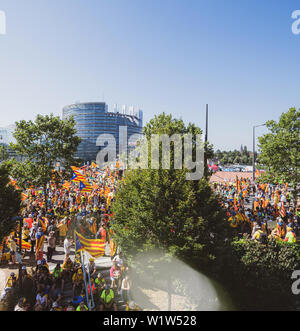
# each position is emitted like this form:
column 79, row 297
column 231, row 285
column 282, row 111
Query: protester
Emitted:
column 107, row 299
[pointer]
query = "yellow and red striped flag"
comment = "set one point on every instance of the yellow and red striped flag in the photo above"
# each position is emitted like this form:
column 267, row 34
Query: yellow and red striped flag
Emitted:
column 44, row 223
column 75, row 168
column 78, row 177
column 282, row 211
column 24, row 196
column 39, row 242
column 25, row 244
column 85, row 187
column 66, row 185
column 93, row 227
column 95, row 247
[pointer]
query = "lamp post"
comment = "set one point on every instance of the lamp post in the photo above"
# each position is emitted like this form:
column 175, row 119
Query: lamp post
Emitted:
column 253, row 158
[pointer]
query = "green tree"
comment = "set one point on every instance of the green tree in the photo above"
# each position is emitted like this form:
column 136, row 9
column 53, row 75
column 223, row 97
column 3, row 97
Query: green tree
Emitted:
column 10, row 202
column 4, row 154
column 280, row 149
column 42, row 143
column 259, row 276
column 160, row 209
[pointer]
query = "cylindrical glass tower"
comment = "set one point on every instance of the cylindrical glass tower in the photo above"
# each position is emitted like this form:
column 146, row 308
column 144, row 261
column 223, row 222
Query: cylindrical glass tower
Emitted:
column 93, row 119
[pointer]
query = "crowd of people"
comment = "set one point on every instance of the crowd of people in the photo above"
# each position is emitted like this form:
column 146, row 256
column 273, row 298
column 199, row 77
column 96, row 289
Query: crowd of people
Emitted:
column 50, row 219
column 263, row 211
column 52, row 222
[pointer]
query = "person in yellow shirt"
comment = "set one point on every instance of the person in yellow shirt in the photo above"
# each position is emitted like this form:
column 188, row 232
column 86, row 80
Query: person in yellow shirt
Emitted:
column 82, row 307
column 25, row 233
column 108, row 299
column 259, row 236
column 11, row 281
column 275, row 234
column 63, row 229
column 290, row 236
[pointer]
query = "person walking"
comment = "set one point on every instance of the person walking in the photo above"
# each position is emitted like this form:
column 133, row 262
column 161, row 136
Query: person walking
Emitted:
column 51, row 246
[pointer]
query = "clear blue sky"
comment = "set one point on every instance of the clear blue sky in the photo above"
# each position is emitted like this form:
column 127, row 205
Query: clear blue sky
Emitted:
column 239, row 56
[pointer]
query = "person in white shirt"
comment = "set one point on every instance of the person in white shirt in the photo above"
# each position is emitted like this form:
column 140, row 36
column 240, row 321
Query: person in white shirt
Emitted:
column 67, row 246
column 125, row 290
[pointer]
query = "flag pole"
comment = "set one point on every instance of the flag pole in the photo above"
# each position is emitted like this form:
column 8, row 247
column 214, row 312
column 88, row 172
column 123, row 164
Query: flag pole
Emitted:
column 85, row 284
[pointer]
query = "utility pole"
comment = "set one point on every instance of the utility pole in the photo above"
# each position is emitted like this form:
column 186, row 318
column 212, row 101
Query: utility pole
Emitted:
column 205, row 144
column 253, row 158
column 206, row 128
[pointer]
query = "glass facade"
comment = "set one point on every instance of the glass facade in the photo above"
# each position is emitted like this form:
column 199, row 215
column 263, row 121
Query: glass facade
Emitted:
column 6, row 135
column 93, row 120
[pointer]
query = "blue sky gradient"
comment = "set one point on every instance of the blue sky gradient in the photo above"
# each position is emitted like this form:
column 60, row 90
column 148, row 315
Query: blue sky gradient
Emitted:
column 239, row 56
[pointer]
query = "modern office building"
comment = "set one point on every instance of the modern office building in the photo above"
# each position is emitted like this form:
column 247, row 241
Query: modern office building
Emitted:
column 6, row 135
column 93, row 119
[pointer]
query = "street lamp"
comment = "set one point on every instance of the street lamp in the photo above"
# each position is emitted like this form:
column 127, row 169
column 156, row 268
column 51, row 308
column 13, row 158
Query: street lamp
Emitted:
column 253, row 158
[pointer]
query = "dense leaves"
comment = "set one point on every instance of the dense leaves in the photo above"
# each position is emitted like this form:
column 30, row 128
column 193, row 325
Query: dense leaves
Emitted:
column 280, row 149
column 42, row 143
column 160, row 209
column 230, row 157
column 260, row 275
column 4, row 152
column 10, row 201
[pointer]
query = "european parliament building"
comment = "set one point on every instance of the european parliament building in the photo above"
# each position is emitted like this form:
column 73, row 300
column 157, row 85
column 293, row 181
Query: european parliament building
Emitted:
column 93, row 119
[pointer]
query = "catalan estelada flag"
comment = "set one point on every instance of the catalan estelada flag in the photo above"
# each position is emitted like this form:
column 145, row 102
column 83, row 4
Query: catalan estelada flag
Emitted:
column 85, row 187
column 93, row 227
column 78, row 177
column 95, row 247
column 39, row 242
column 43, row 222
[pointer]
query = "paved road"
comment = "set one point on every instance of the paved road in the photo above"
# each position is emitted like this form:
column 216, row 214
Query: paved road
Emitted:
column 2, row 281
column 59, row 255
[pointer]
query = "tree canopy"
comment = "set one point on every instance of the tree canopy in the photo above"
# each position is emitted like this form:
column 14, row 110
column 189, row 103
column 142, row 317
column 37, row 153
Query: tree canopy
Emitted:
column 160, row 209
column 10, row 202
column 243, row 156
column 42, row 143
column 280, row 149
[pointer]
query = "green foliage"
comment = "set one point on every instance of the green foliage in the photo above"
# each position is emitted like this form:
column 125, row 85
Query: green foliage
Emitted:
column 42, row 143
column 10, row 202
column 160, row 209
column 4, row 152
column 261, row 274
column 229, row 157
column 280, row 149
